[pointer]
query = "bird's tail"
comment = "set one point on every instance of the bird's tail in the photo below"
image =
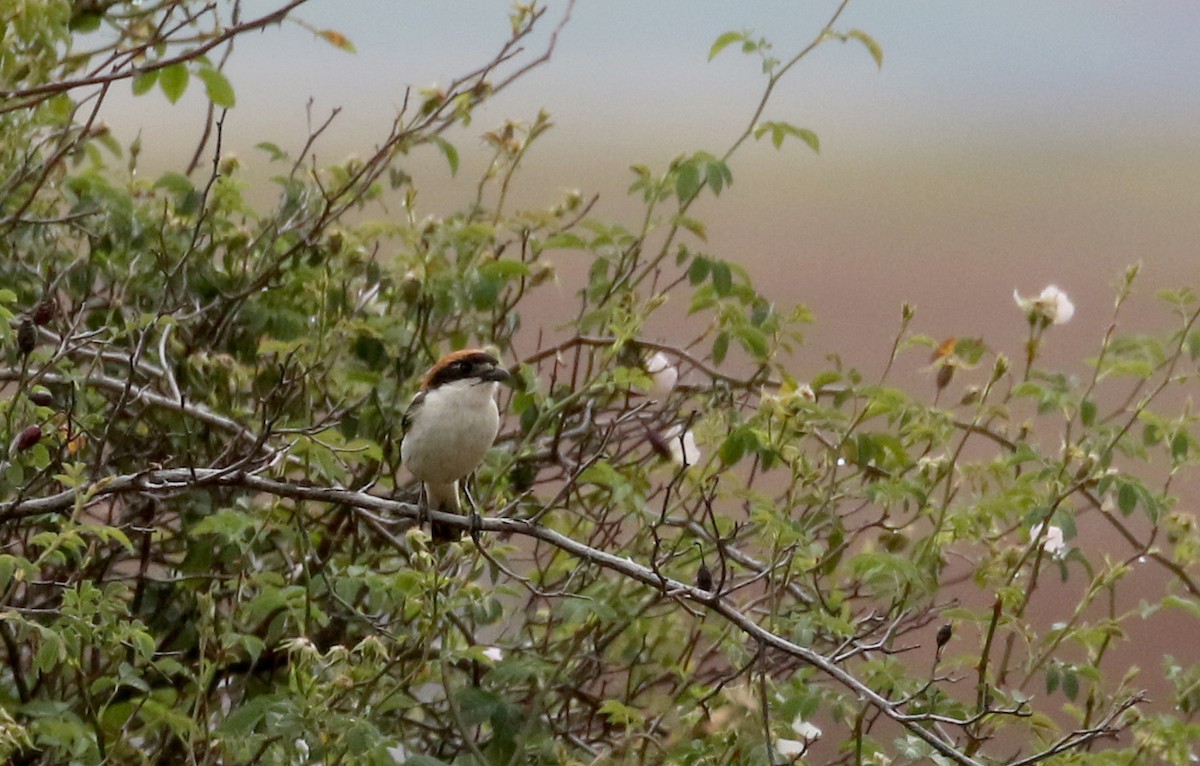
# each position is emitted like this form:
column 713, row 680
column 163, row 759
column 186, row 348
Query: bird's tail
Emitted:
column 444, row 498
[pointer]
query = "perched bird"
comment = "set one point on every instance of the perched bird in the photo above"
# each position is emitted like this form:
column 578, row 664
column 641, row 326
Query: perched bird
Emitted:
column 449, row 427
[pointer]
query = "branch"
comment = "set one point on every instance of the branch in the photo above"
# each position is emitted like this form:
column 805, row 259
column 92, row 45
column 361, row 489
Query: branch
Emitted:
column 604, row 341
column 33, row 95
column 143, row 395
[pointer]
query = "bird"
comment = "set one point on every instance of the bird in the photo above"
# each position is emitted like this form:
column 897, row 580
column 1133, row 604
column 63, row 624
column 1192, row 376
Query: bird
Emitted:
column 449, row 426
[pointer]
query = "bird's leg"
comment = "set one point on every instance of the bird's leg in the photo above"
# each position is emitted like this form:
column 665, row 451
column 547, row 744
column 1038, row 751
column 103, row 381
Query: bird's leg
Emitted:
column 476, row 525
column 424, row 508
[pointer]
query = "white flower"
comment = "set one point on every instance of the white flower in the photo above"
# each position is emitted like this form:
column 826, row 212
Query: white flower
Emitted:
column 806, row 733
column 493, row 653
column 1052, row 305
column 301, row 645
column 302, row 748
column 682, row 446
column 790, row 748
column 805, row 392
column 1062, row 308
column 1054, row 543
column 931, row 463
column 662, row 373
column 805, row 730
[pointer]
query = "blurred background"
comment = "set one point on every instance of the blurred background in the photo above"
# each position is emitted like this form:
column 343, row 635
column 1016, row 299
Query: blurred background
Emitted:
column 1003, row 145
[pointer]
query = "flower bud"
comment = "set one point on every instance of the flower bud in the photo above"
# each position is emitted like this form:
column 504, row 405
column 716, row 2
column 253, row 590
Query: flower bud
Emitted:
column 410, row 287
column 1000, row 368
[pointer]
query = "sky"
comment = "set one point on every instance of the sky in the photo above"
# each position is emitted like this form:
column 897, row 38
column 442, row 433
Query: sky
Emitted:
column 1002, row 145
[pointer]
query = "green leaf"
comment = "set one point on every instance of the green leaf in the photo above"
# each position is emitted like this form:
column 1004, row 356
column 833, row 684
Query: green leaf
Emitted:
column 504, row 269
column 826, row 378
column 720, row 347
column 564, row 241
column 780, row 130
column 83, row 23
column 271, row 149
column 173, row 81
column 753, row 340
column 722, row 278
column 217, row 86
column 732, row 448
column 698, row 270
column 50, row 652
column 144, row 82
column 1070, row 683
column 1179, row 446
column 8, row 565
column 243, row 720
column 449, row 151
column 718, row 175
column 969, row 350
column 695, row 226
column 1087, row 412
column 687, row 181
column 872, row 46
column 723, row 42
column 143, row 642
column 808, row 137
column 175, row 182
column 578, row 610
column 1127, row 497
column 478, row 705
column 620, row 714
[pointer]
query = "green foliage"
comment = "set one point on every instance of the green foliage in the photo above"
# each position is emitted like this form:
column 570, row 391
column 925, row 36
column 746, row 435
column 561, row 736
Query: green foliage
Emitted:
column 212, row 554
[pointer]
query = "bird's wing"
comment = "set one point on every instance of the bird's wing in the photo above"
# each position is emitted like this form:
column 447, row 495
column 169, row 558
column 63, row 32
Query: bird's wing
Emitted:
column 410, row 413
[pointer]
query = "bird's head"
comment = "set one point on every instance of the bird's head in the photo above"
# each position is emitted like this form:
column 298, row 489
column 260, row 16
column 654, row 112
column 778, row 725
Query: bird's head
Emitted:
column 469, row 365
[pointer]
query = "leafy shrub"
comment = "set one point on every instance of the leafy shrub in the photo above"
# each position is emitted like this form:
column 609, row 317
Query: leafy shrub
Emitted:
column 687, row 555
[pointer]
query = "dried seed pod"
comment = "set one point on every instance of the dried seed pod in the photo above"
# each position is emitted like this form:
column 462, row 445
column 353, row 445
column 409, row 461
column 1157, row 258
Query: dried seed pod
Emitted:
column 704, row 578
column 26, row 337
column 45, row 312
column 41, row 398
column 29, row 437
column 944, row 375
column 943, row 635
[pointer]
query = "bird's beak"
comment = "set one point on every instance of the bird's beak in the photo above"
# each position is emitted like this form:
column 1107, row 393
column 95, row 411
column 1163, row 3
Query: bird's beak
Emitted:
column 498, row 375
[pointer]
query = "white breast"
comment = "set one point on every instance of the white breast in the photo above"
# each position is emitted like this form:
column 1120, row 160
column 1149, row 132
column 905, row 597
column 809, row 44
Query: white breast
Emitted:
column 454, row 429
